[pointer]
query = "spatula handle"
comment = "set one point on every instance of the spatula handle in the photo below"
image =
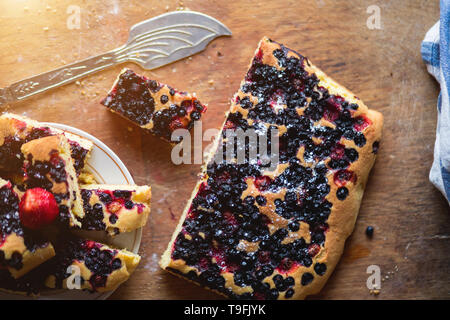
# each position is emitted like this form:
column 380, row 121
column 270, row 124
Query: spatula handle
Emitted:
column 58, row 77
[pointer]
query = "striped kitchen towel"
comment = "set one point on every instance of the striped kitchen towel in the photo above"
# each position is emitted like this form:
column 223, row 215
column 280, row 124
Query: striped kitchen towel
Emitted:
column 436, row 54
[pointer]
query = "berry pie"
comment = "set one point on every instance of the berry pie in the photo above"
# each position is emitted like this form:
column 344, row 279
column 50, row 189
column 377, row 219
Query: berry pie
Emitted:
column 48, row 165
column 101, row 268
column 115, row 209
column 16, row 130
column 20, row 251
column 254, row 232
column 153, row 106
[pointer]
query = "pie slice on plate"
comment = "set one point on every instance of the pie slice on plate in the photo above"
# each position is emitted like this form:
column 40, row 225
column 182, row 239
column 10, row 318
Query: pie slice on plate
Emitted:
column 115, row 209
column 16, row 130
column 99, row 267
column 253, row 231
column 20, row 251
column 48, row 165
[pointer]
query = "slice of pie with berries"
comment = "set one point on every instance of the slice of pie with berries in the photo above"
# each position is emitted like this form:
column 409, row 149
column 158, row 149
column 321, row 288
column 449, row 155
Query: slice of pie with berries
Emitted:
column 89, row 265
column 26, row 285
column 115, row 208
column 21, row 250
column 276, row 231
column 153, row 106
column 48, row 165
column 16, row 130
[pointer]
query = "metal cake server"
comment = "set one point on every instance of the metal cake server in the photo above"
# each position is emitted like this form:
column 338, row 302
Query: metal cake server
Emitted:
column 151, row 44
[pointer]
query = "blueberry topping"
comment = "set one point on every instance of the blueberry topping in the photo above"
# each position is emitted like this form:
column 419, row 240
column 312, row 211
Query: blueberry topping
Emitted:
column 289, row 293
column 307, row 278
column 294, row 226
column 342, row 193
column 375, row 147
column 164, row 99
column 320, row 268
column 195, row 115
column 113, row 218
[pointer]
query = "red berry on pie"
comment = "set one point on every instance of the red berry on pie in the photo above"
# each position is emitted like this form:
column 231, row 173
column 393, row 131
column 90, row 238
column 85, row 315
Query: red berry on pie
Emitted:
column 38, row 208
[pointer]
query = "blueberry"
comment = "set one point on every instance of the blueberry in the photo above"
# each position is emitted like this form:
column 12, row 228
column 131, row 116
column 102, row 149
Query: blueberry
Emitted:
column 369, row 231
column 164, row 99
column 342, row 193
column 307, row 278
column 273, row 294
column 181, row 112
column 289, row 281
column 153, row 84
column 277, row 279
column 294, row 226
column 116, row 264
column 352, row 154
column 113, row 218
column 129, row 204
column 359, row 139
column 289, row 293
column 375, row 147
column 261, row 200
column 195, row 115
column 320, row 268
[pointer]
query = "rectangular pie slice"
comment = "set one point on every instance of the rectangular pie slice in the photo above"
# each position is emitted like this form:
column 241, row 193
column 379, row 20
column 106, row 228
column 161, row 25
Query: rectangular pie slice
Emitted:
column 115, row 208
column 153, row 106
column 254, row 232
column 19, row 252
column 48, row 165
column 100, row 267
column 16, row 130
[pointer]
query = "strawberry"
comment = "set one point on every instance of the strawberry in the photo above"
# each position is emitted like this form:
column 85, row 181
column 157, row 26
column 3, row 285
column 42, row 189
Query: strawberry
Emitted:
column 38, row 208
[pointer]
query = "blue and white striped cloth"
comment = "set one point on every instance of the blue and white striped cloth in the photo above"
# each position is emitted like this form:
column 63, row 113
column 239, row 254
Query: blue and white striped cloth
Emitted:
column 436, row 54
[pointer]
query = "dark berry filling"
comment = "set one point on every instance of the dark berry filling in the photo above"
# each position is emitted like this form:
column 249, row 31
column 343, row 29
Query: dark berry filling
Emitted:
column 131, row 97
column 79, row 155
column 9, row 213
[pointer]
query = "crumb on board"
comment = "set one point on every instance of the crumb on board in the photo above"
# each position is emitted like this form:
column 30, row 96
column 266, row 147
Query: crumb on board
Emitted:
column 375, row 292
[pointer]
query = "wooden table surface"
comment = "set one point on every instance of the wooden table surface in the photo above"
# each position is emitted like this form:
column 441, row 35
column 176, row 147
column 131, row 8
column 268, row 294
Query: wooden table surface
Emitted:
column 383, row 67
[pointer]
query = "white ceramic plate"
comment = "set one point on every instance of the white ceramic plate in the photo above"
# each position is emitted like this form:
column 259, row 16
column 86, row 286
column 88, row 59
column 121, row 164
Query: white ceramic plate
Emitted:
column 107, row 168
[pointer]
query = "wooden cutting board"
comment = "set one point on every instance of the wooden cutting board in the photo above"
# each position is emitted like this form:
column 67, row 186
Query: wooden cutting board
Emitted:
column 383, row 67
